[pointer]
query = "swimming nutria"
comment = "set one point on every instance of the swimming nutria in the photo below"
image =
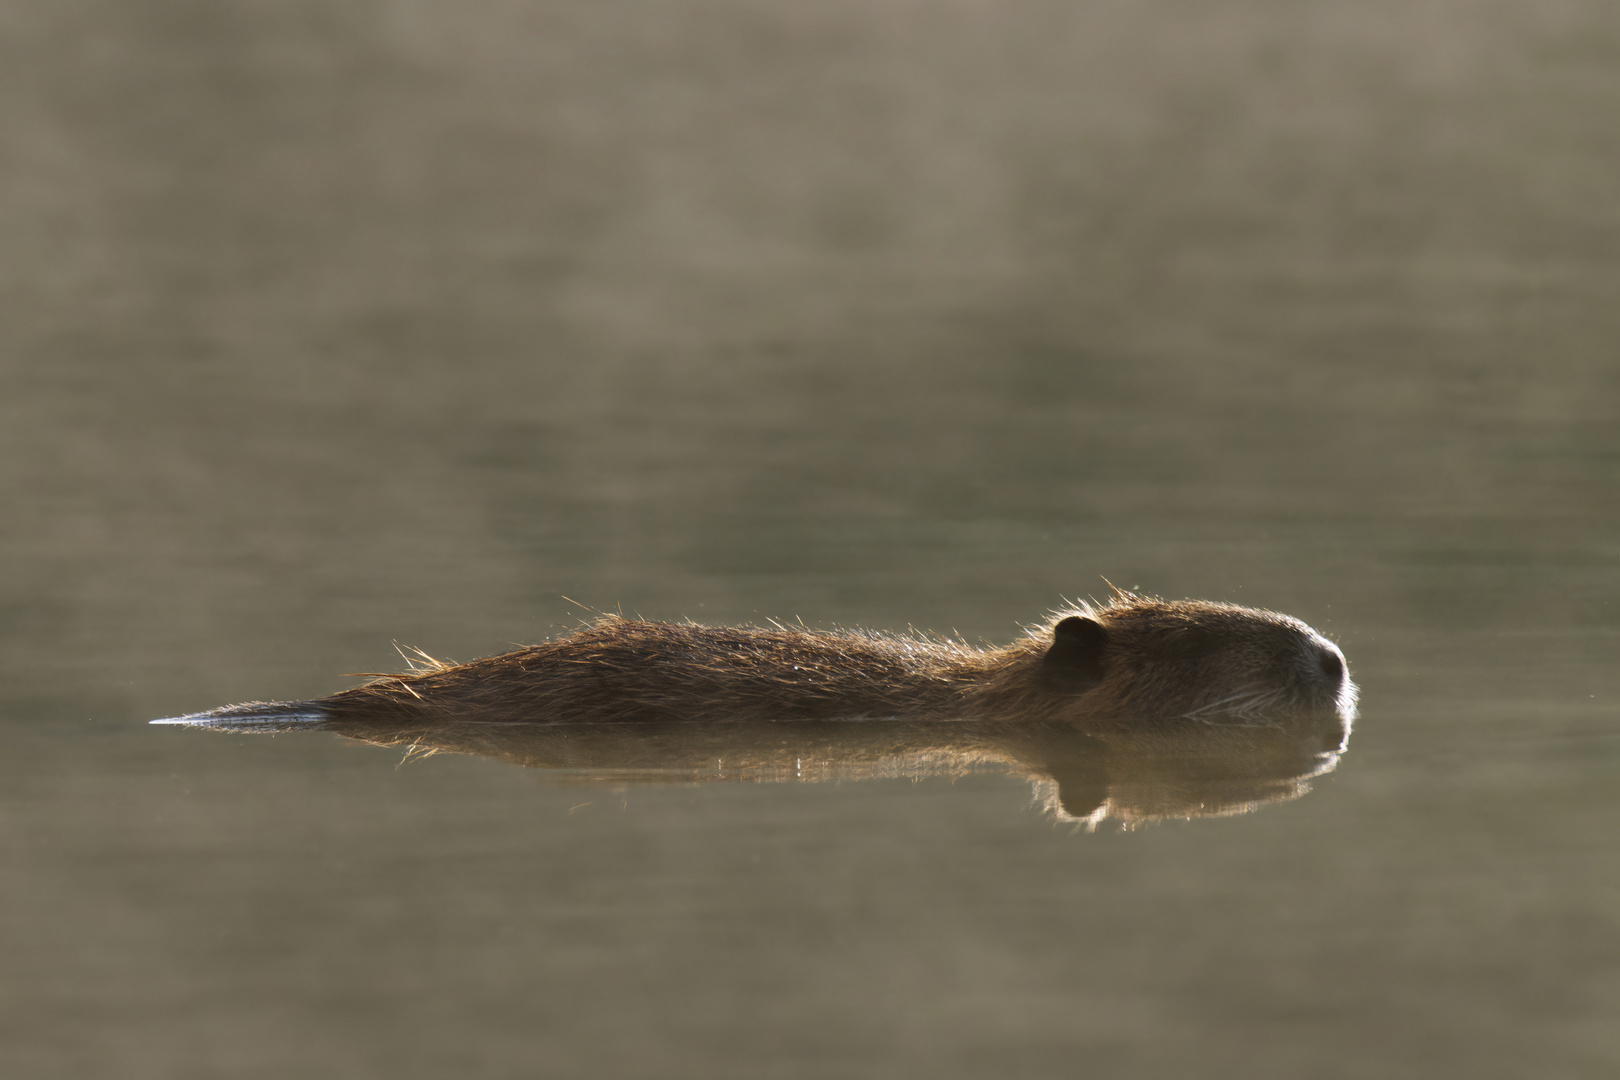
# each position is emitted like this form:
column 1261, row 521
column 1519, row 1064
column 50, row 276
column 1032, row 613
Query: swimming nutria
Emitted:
column 1131, row 662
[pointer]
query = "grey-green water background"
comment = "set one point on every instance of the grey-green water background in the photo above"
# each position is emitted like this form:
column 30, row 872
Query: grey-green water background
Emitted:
column 331, row 325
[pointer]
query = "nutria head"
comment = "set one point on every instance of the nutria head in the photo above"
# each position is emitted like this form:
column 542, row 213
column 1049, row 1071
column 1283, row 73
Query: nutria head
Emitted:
column 1147, row 659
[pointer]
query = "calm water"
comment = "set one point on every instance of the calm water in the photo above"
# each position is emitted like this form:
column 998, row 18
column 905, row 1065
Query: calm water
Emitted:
column 328, row 327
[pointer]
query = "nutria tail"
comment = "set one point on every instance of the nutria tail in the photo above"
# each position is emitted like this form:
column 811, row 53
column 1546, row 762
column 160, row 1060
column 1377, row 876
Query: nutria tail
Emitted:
column 263, row 716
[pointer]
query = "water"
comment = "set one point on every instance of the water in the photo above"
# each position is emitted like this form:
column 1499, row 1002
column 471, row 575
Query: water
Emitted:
column 330, row 329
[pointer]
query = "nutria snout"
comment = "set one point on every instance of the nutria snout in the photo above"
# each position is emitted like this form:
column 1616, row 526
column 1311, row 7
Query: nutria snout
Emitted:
column 1134, row 661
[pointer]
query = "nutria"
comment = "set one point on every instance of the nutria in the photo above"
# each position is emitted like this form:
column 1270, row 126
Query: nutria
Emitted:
column 1131, row 663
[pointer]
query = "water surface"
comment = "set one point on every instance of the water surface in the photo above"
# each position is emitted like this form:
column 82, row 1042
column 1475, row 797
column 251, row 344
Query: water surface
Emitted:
column 329, row 329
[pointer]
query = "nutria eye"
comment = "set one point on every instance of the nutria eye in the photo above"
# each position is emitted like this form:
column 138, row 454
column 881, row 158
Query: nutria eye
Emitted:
column 1332, row 666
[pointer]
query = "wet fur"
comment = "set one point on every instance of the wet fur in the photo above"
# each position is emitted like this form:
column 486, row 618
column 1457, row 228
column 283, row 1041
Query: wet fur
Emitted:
column 1132, row 661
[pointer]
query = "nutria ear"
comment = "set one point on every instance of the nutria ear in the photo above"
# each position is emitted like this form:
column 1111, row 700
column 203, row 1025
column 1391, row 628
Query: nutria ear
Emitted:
column 1078, row 658
column 1079, row 765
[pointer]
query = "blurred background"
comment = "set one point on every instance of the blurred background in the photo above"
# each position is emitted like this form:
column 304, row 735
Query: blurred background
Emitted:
column 329, row 326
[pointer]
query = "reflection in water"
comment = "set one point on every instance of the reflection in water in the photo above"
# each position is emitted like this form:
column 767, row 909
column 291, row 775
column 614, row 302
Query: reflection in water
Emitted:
column 1178, row 769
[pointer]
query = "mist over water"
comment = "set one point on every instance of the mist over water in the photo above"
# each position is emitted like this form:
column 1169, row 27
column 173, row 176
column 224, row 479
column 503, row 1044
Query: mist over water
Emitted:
column 328, row 327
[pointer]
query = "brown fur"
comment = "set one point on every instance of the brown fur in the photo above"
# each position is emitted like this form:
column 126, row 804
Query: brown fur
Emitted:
column 1130, row 662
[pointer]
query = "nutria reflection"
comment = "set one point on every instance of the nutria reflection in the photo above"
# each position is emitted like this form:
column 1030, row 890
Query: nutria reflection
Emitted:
column 1182, row 770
